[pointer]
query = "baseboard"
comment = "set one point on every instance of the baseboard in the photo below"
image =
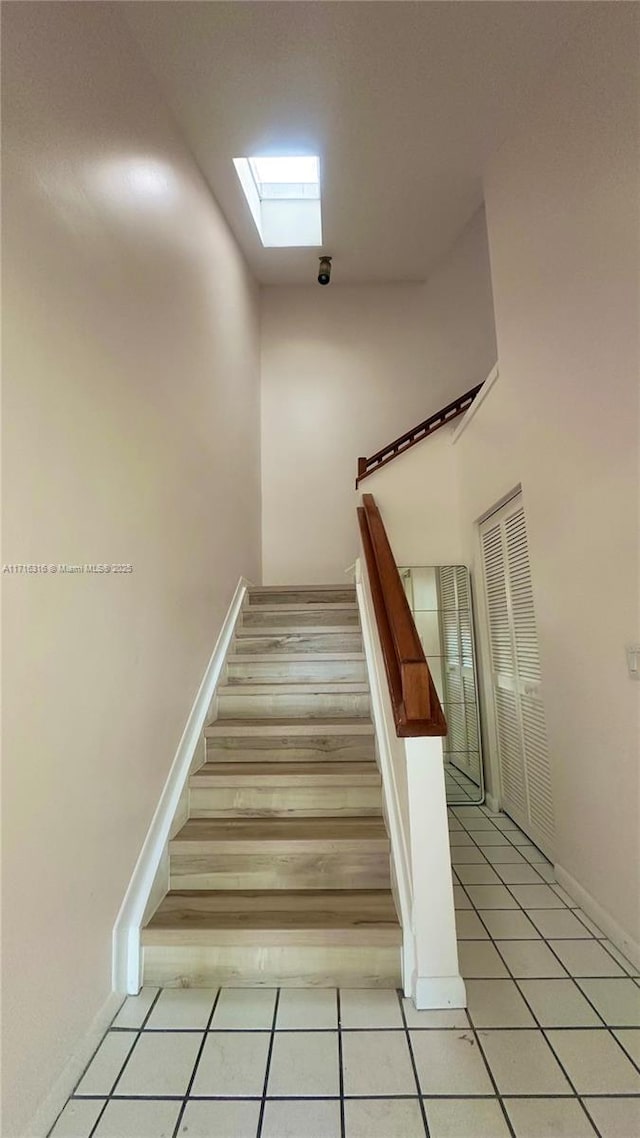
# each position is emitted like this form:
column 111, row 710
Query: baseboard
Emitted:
column 616, row 934
column 126, row 972
column 74, row 1068
column 438, row 992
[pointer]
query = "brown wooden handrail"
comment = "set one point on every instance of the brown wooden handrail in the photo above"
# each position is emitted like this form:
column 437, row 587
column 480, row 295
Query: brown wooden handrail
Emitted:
column 417, row 434
column 416, row 707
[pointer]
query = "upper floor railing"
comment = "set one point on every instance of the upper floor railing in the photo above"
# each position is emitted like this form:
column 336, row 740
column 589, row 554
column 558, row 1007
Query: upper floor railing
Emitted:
column 414, row 699
column 410, row 438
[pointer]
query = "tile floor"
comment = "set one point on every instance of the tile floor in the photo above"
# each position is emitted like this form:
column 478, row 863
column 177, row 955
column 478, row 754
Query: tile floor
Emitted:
column 549, row 1046
column 459, row 788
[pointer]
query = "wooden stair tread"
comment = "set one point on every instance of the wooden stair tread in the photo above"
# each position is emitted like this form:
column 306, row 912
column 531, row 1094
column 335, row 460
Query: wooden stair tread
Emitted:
column 289, row 629
column 321, row 773
column 275, row 726
column 295, row 657
column 297, row 830
column 293, row 687
column 273, row 909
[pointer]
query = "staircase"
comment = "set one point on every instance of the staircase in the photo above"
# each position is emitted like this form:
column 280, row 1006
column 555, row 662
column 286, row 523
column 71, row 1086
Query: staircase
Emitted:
column 281, row 874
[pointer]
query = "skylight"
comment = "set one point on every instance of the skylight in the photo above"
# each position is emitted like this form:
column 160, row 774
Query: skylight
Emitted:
column 283, row 194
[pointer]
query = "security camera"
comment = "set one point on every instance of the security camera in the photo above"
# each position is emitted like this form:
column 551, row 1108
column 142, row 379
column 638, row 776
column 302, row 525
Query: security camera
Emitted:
column 324, row 272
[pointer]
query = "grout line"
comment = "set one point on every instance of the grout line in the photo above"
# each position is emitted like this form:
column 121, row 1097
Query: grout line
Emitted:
column 196, row 1064
column 340, row 1065
column 139, row 1031
column 268, row 1063
column 423, row 1110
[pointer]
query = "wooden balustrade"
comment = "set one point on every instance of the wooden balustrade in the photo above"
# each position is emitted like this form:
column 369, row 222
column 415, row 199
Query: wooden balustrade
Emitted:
column 367, row 466
column 416, row 706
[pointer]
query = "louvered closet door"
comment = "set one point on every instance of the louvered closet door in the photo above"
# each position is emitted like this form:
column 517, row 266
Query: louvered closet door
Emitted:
column 522, row 739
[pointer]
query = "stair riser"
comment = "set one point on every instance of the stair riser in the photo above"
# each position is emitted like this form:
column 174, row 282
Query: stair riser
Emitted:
column 292, row 750
column 334, row 617
column 301, row 597
column 284, row 802
column 291, row 966
column 257, row 644
column 341, row 870
column 290, row 671
column 312, row 705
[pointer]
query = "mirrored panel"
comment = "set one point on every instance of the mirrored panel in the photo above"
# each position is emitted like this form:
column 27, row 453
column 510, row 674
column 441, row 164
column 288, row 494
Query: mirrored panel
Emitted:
column 440, row 599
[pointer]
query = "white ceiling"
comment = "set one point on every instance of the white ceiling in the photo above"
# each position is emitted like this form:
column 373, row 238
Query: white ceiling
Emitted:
column 404, row 103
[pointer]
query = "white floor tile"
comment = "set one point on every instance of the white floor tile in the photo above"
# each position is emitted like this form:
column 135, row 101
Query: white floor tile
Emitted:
column 382, row 1118
column 520, row 839
column 307, row 1008
column 503, row 854
column 135, row 1008
column 460, row 838
column 477, row 822
column 450, row 1063
column 457, row 1017
column 479, row 960
column 509, row 924
column 460, row 899
column 228, row 1119
column 564, row 896
column 78, row 1118
column 491, row 897
column 377, row 1063
column 107, row 1063
column 559, row 1003
column 524, row 874
column 293, row 1119
column 244, row 1008
column 537, row 897
column 503, row 822
column 484, row 838
column 232, row 1064
column 144, row 1119
column 617, row 1001
column 160, row 1064
column 622, row 960
column 304, row 1063
column 586, row 958
column 559, row 923
column 535, row 856
column 469, row 926
column 629, row 1037
column 593, row 928
column 477, row 875
column 615, row 1118
column 522, row 1063
column 461, row 1118
column 497, row 1003
column 547, row 872
column 594, row 1062
column 548, row 1118
column 530, row 959
column 467, row 855
column 182, row 1008
column 368, row 1007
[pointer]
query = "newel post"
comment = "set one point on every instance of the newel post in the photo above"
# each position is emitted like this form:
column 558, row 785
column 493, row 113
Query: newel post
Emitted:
column 436, row 982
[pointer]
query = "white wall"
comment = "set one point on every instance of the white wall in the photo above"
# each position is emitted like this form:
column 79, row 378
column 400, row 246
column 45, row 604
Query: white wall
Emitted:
column 345, row 370
column 131, row 434
column 562, row 420
column 561, row 202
